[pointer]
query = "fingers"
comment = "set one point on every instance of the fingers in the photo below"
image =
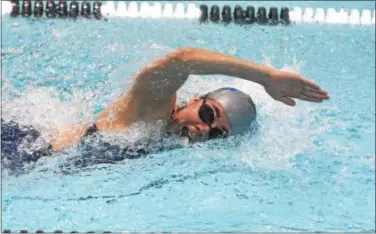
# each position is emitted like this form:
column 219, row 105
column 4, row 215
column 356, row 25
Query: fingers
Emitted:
column 314, row 91
column 315, row 94
column 287, row 101
column 310, row 99
column 310, row 83
column 310, row 88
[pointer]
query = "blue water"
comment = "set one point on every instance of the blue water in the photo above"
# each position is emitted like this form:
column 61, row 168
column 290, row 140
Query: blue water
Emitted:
column 308, row 168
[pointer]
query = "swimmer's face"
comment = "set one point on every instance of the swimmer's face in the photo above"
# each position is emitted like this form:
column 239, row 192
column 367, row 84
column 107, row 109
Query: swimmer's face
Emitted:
column 201, row 120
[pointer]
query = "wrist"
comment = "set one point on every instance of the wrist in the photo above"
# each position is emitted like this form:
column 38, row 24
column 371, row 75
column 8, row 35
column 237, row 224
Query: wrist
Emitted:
column 269, row 74
column 259, row 74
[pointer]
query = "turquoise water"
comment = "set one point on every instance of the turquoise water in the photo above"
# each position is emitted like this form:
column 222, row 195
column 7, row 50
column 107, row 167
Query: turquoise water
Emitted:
column 308, row 168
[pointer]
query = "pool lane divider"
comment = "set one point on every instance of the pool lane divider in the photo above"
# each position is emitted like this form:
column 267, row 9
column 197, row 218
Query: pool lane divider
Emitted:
column 203, row 13
column 57, row 231
column 52, row 9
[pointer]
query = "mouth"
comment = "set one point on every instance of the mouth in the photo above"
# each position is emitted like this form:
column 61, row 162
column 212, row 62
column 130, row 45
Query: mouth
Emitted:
column 185, row 133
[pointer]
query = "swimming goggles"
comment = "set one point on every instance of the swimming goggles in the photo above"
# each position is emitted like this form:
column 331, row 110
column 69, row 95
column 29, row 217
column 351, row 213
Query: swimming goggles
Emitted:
column 206, row 114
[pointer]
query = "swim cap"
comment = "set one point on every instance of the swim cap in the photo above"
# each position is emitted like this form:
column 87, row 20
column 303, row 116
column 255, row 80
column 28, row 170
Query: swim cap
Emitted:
column 239, row 107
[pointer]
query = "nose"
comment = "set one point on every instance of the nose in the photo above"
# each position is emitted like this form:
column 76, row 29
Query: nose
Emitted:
column 201, row 128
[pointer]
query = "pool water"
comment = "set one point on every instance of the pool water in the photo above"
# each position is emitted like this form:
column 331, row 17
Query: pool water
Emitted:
column 307, row 168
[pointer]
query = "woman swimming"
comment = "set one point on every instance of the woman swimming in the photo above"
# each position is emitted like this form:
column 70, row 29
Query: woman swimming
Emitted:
column 217, row 114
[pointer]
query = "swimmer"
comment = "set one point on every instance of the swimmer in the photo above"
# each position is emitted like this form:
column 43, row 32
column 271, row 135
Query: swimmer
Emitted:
column 217, row 114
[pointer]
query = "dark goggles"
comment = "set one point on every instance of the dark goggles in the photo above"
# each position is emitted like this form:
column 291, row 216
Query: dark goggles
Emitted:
column 206, row 114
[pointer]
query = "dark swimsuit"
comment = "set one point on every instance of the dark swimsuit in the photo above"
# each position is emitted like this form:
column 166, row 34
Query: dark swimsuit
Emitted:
column 13, row 135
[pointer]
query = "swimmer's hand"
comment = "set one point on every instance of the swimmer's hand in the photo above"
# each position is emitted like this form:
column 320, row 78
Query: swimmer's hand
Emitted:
column 283, row 86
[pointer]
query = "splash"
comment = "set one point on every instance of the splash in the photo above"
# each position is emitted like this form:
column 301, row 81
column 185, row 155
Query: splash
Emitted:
column 44, row 108
column 283, row 133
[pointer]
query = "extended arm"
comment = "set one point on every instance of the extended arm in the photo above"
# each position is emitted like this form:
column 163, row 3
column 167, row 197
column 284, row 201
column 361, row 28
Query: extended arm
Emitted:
column 154, row 91
column 280, row 85
column 156, row 85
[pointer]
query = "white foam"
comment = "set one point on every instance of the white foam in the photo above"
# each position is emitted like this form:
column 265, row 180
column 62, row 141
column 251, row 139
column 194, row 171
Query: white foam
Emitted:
column 279, row 138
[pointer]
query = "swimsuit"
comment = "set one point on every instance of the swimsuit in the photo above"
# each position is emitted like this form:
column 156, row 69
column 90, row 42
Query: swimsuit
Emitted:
column 14, row 156
column 13, row 136
column 17, row 139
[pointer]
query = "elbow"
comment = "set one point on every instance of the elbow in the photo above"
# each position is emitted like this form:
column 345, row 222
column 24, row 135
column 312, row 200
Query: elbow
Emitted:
column 183, row 53
column 180, row 59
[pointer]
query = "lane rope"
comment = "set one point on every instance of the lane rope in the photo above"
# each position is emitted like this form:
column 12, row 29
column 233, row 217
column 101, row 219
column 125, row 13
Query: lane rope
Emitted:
column 191, row 11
